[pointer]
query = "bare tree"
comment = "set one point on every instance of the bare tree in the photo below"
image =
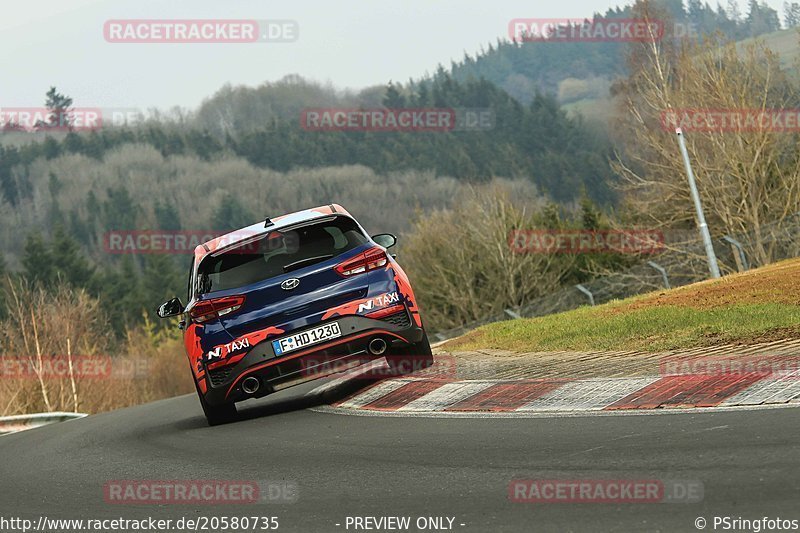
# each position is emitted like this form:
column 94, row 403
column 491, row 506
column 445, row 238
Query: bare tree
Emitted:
column 748, row 176
column 462, row 265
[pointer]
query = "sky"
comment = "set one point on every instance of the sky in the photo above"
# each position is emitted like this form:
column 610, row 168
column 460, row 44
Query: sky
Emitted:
column 349, row 43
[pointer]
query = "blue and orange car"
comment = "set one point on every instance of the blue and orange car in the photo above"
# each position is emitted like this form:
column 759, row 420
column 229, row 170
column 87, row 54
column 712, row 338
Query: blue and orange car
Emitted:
column 286, row 300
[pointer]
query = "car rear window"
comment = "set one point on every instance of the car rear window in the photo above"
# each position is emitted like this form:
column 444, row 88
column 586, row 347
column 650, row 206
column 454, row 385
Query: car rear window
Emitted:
column 270, row 255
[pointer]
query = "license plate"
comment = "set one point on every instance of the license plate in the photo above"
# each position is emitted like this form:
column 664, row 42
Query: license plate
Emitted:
column 306, row 338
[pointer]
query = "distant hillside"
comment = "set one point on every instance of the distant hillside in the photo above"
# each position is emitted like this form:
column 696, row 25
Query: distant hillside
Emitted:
column 599, row 107
column 786, row 43
column 536, row 141
column 578, row 72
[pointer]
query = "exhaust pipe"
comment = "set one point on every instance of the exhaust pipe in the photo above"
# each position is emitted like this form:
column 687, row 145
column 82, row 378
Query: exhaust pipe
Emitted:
column 251, row 385
column 377, row 346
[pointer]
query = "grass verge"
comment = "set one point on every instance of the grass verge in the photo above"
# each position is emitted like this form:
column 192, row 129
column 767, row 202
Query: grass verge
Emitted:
column 756, row 306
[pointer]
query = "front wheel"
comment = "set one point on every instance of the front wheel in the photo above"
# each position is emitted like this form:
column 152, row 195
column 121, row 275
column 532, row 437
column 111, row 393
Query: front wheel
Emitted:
column 216, row 414
column 417, row 356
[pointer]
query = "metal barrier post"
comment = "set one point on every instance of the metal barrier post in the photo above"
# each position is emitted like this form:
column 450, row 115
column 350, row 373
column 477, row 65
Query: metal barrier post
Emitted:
column 586, row 291
column 663, row 273
column 736, row 244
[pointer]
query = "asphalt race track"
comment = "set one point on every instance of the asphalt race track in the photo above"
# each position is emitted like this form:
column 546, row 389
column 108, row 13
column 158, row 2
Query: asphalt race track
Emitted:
column 747, row 460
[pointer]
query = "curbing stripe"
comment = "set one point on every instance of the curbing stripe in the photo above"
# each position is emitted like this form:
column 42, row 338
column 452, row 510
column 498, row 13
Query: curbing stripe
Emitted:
column 413, row 395
column 712, row 390
column 686, row 391
column 410, row 391
column 648, row 397
column 504, row 397
column 778, row 388
column 363, row 398
column 718, row 390
column 446, row 395
column 587, row 394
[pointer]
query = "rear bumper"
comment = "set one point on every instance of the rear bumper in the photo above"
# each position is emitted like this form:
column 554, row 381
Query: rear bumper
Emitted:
column 224, row 384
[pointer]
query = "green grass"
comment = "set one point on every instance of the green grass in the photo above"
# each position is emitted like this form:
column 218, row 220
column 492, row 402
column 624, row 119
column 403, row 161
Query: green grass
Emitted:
column 646, row 329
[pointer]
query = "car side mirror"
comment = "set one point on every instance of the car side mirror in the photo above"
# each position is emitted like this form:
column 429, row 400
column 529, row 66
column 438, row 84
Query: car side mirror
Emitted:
column 387, row 240
column 172, row 307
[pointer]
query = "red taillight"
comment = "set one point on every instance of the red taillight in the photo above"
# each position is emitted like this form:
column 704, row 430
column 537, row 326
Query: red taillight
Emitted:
column 380, row 313
column 364, row 262
column 205, row 310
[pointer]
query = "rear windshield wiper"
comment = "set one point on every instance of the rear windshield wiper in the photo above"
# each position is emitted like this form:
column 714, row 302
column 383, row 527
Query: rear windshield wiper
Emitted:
column 306, row 262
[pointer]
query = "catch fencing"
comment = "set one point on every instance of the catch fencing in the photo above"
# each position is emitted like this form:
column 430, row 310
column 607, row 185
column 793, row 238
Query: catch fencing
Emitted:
column 681, row 263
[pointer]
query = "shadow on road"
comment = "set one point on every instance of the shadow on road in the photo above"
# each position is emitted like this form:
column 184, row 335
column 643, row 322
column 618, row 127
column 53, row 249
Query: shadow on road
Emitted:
column 270, row 406
column 306, row 401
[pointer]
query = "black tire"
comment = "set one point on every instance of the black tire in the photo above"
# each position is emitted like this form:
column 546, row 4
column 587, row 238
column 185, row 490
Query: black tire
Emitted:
column 417, row 356
column 217, row 414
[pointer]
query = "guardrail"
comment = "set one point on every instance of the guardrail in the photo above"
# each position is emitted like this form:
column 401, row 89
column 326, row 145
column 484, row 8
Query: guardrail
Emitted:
column 12, row 424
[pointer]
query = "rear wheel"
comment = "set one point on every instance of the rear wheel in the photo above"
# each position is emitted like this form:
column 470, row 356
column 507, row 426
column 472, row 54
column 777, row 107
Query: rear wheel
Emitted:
column 216, row 414
column 417, row 356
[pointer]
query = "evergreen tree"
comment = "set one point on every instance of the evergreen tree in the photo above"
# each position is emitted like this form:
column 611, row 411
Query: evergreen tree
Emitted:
column 791, row 14
column 119, row 210
column 93, row 145
column 37, row 261
column 695, row 11
column 161, row 280
column 69, row 262
column 73, row 143
column 761, row 19
column 58, row 108
column 9, row 157
column 167, row 217
column 394, row 99
column 733, row 11
column 423, row 96
column 202, row 143
column 79, row 228
column 230, row 214
column 93, row 210
column 55, row 217
column 51, row 148
column 590, row 215
column 120, row 294
column 3, row 285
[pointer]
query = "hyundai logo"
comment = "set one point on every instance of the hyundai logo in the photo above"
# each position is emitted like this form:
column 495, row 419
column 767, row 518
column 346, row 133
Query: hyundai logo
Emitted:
column 290, row 284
